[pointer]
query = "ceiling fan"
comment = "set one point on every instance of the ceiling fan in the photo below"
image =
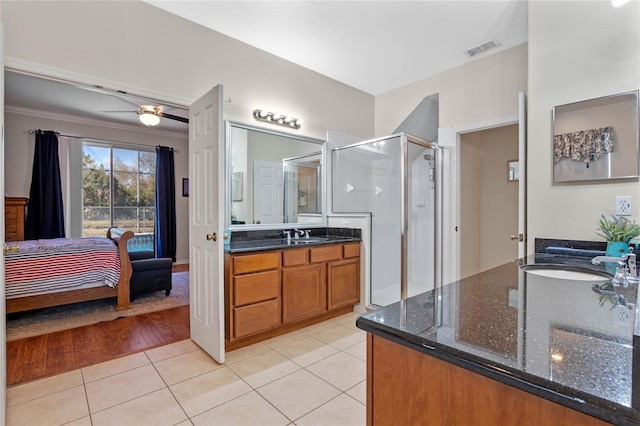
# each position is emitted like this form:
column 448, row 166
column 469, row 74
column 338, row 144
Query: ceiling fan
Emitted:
column 150, row 115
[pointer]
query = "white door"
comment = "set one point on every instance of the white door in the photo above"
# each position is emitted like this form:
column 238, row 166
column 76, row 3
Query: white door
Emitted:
column 206, row 209
column 522, row 182
column 3, row 322
column 268, row 192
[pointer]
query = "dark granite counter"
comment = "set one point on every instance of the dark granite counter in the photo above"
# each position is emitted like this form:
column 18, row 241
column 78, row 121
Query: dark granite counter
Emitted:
column 248, row 241
column 555, row 338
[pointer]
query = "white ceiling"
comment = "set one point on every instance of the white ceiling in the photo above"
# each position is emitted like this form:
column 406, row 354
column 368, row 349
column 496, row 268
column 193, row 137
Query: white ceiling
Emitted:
column 374, row 46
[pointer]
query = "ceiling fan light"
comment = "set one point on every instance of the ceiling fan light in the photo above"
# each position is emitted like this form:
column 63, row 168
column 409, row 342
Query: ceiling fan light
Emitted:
column 149, row 119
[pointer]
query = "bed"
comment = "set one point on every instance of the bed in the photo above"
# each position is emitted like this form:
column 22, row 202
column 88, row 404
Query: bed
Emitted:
column 45, row 273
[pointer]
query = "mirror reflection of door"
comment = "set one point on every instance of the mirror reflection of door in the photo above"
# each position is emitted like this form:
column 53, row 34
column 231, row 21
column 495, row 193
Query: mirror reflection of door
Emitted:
column 301, row 186
column 488, row 199
column 268, row 192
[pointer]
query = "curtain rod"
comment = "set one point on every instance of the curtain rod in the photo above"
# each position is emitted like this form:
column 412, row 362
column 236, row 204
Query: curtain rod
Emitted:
column 133, row 145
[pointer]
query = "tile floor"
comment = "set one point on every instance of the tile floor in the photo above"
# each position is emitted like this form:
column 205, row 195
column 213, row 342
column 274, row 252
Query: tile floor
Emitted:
column 314, row 376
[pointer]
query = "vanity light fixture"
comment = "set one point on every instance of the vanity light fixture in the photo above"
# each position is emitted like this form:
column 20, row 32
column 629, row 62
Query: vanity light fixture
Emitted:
column 149, row 115
column 273, row 118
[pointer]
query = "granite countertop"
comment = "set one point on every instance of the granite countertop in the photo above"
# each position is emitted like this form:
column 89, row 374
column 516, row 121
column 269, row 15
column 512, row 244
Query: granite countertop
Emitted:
column 248, row 241
column 555, row 338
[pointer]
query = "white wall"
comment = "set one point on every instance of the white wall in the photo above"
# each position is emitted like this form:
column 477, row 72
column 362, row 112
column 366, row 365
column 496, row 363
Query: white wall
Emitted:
column 19, row 150
column 483, row 89
column 139, row 48
column 577, row 51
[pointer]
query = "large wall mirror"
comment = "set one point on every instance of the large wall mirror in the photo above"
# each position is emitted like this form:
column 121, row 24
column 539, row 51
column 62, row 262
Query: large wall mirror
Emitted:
column 280, row 175
column 596, row 139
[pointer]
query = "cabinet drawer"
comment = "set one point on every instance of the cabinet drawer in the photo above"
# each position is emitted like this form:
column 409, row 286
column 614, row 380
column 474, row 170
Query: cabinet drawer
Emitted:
column 325, row 253
column 11, row 227
column 10, row 213
column 295, row 257
column 257, row 287
column 255, row 318
column 255, row 262
column 351, row 250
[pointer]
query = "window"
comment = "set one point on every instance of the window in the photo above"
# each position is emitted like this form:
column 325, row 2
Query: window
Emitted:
column 118, row 189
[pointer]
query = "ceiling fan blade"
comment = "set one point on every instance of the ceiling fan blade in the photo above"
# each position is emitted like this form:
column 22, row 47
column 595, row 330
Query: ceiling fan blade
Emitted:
column 173, row 117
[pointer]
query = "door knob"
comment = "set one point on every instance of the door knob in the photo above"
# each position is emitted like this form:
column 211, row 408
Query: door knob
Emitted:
column 519, row 237
column 212, row 237
column 514, row 237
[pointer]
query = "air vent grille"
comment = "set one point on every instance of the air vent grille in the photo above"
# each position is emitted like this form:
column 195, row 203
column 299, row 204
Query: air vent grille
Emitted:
column 491, row 44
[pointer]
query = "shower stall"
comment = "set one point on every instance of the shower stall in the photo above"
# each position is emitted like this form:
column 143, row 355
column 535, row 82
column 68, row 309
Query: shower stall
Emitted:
column 397, row 180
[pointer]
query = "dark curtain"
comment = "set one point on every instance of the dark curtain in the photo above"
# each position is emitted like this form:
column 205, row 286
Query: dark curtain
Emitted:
column 45, row 216
column 165, row 203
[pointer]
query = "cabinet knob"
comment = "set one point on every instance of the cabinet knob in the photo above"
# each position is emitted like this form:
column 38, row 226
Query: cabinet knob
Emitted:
column 212, row 237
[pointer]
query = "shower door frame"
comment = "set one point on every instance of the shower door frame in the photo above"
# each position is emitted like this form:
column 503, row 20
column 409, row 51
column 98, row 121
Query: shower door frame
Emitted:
column 405, row 139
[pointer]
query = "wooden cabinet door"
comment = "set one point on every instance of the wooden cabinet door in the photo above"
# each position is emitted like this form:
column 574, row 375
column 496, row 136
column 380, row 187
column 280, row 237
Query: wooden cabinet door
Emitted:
column 343, row 283
column 304, row 291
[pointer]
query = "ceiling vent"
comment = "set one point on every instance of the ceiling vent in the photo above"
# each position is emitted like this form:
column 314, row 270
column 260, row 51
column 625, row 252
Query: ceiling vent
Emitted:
column 491, row 44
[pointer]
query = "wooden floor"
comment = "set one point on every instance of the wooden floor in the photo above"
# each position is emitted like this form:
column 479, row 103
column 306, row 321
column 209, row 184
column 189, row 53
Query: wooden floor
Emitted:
column 54, row 353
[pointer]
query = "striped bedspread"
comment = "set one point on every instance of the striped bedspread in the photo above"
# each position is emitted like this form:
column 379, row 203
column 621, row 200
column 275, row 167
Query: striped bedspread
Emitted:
column 45, row 266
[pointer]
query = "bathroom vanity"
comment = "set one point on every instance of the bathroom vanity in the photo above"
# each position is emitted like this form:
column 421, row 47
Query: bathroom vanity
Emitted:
column 507, row 347
column 274, row 285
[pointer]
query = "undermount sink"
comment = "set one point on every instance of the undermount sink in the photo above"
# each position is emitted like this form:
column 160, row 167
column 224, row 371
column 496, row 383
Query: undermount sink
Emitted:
column 567, row 272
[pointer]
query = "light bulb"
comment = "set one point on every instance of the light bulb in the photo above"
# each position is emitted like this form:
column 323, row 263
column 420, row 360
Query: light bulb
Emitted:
column 149, row 119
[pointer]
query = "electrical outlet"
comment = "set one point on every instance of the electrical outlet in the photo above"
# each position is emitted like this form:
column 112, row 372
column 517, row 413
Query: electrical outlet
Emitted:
column 623, row 205
column 621, row 314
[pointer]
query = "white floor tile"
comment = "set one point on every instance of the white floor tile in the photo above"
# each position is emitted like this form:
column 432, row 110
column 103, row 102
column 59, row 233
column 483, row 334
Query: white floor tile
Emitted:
column 298, row 394
column 340, row 370
column 248, row 410
column 244, row 353
column 53, row 409
column 341, row 411
column 306, row 351
column 359, row 392
column 157, row 408
column 114, row 366
column 39, row 388
column 119, row 388
column 186, row 366
column 171, row 350
column 341, row 337
column 263, row 368
column 209, row 390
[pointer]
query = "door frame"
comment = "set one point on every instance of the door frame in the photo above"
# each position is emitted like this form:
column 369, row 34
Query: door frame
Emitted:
column 451, row 139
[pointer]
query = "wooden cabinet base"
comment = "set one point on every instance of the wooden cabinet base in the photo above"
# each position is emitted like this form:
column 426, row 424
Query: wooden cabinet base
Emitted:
column 407, row 387
column 240, row 343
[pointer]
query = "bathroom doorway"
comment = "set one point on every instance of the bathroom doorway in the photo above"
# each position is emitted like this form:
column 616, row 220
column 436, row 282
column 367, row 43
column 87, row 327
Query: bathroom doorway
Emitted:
column 488, row 197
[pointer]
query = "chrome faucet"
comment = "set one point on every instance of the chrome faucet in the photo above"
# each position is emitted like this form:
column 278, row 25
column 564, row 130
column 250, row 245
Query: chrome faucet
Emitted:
column 287, row 234
column 306, row 233
column 297, row 233
column 626, row 271
column 609, row 259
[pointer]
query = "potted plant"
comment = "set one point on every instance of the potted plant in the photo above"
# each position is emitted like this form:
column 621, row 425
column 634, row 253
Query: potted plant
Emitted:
column 618, row 231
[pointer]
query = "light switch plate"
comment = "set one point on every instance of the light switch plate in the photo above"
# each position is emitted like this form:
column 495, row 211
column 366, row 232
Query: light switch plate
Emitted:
column 623, row 205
